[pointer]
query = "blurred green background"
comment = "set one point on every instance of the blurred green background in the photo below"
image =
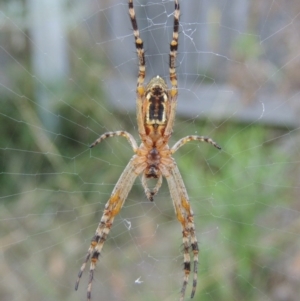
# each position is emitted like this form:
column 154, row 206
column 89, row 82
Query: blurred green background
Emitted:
column 54, row 188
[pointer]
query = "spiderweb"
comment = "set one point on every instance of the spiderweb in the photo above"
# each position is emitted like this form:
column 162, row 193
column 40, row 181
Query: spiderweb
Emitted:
column 68, row 74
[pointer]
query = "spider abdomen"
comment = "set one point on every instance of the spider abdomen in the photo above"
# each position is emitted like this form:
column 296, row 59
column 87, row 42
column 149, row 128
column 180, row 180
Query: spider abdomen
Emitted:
column 156, row 109
column 156, row 101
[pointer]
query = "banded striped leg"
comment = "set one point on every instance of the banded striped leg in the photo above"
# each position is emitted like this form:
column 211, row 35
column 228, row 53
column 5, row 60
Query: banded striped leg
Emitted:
column 173, row 49
column 139, row 46
column 172, row 70
column 186, row 139
column 112, row 208
column 195, row 250
column 190, row 227
column 128, row 136
column 142, row 68
column 150, row 193
column 184, row 215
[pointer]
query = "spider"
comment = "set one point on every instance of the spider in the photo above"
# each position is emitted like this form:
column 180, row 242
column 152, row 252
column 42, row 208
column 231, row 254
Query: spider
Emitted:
column 156, row 108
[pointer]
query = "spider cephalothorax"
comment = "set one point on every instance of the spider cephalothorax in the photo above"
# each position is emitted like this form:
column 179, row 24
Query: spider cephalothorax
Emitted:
column 156, row 108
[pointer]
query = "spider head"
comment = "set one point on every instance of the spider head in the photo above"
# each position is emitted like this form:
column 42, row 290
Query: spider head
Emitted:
column 152, row 171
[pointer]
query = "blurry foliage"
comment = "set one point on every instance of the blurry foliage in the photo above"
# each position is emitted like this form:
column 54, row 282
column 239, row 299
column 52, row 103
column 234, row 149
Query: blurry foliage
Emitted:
column 246, row 47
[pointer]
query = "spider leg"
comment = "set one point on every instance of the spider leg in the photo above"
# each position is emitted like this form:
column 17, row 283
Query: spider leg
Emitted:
column 128, row 136
column 190, row 224
column 195, row 249
column 186, row 139
column 112, row 208
column 173, row 50
column 142, row 68
column 184, row 215
column 150, row 193
column 139, row 47
column 172, row 70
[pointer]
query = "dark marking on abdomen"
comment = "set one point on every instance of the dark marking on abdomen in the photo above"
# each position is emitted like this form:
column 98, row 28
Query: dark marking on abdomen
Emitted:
column 156, row 108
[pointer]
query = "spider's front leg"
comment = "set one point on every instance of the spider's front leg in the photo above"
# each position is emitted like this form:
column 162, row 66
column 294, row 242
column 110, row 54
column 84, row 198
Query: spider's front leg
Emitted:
column 184, row 215
column 97, row 243
column 112, row 208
